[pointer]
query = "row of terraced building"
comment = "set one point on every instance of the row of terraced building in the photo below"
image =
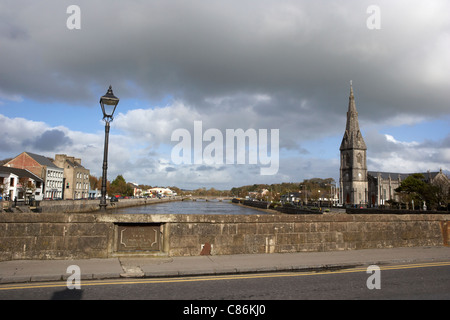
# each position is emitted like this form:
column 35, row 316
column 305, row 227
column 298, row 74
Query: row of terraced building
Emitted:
column 33, row 176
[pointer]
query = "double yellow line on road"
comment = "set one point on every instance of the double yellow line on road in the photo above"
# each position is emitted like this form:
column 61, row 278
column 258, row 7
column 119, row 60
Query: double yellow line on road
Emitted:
column 217, row 277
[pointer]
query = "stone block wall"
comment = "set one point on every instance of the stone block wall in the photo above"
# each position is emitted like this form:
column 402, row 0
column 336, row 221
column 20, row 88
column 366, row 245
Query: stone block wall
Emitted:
column 299, row 233
column 53, row 236
column 76, row 236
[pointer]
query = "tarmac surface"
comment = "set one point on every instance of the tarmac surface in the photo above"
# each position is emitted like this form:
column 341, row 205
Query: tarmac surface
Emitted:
column 20, row 271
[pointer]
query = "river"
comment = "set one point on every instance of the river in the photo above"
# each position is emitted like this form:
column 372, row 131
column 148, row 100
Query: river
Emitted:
column 190, row 207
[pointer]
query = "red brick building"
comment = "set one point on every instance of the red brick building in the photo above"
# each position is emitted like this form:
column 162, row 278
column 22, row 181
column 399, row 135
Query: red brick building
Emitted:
column 43, row 167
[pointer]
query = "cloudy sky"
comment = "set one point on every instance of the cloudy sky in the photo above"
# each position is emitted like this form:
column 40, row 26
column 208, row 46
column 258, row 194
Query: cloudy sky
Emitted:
column 248, row 64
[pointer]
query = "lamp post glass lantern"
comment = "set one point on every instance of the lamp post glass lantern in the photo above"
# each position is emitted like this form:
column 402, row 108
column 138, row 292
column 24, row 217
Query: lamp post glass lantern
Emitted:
column 108, row 103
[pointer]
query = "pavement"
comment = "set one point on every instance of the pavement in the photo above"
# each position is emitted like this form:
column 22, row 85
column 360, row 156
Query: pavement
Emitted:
column 21, row 271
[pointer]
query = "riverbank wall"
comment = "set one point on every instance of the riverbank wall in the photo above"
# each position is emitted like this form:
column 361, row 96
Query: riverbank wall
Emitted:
column 264, row 205
column 95, row 235
column 86, row 206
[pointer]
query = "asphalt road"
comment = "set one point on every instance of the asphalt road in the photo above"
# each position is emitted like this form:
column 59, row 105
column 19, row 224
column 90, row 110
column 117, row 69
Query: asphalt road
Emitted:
column 411, row 281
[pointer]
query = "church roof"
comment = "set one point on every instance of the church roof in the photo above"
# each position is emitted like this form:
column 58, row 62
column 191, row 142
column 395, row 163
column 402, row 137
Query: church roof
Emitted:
column 395, row 175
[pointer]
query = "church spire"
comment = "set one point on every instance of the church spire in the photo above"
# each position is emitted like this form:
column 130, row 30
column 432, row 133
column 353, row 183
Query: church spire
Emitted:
column 351, row 99
column 352, row 114
column 353, row 171
column 352, row 136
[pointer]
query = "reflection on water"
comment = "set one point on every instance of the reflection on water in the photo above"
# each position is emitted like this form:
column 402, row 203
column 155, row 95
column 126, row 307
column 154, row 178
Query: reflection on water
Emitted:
column 190, row 207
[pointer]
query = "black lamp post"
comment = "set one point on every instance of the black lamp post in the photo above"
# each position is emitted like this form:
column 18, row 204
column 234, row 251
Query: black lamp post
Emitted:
column 109, row 103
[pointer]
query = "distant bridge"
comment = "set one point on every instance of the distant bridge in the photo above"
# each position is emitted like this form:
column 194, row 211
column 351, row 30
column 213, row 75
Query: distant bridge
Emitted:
column 205, row 198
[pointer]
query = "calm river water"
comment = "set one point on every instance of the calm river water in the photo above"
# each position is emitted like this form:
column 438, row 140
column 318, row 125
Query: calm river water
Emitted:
column 190, row 207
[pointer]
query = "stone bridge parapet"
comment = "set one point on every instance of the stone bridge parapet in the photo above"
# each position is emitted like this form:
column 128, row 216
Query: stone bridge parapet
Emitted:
column 93, row 235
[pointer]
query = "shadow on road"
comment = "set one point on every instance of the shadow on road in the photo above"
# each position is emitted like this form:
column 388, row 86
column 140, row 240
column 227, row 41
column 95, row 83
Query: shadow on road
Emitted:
column 67, row 294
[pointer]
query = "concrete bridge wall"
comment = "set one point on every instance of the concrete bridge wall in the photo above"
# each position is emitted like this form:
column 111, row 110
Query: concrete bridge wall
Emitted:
column 76, row 236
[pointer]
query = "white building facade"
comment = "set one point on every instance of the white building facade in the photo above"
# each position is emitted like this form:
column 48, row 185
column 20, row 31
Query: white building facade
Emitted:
column 20, row 185
column 54, row 179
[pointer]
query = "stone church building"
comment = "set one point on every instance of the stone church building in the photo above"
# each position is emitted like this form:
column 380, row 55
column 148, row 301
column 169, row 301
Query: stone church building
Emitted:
column 363, row 188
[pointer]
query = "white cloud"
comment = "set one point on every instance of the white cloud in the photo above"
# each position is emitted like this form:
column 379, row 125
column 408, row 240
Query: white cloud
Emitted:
column 391, row 139
column 143, row 161
column 230, row 64
column 155, row 125
column 391, row 155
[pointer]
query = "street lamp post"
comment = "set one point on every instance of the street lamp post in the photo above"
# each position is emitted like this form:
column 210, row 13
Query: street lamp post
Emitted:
column 108, row 103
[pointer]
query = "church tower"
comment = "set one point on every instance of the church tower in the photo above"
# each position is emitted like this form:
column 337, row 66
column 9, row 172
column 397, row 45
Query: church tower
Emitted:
column 353, row 170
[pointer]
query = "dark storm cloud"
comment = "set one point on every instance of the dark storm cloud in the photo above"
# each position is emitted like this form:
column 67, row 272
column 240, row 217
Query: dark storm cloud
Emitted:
column 208, row 168
column 50, row 140
column 196, row 51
